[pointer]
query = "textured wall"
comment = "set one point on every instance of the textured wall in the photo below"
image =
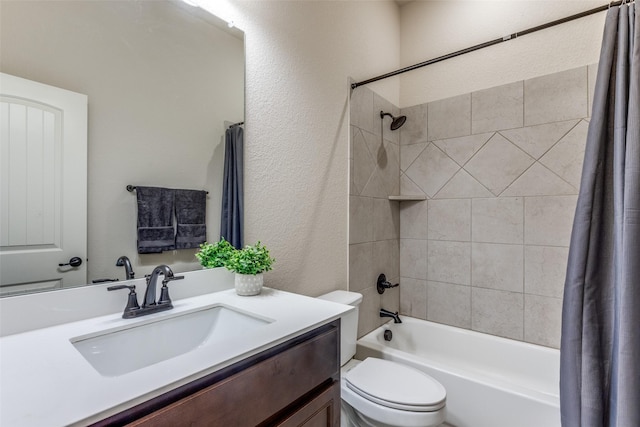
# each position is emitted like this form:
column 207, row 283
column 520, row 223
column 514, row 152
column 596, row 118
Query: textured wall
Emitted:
column 298, row 57
column 433, row 28
column 501, row 169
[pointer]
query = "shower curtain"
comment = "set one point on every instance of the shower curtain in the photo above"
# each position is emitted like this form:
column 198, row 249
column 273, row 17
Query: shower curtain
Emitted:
column 600, row 345
column 231, row 221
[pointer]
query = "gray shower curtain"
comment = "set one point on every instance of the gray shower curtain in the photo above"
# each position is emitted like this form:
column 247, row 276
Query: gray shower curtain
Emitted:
column 231, row 222
column 600, row 345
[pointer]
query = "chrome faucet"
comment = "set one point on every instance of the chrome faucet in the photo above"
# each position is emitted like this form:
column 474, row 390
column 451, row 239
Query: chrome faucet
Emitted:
column 123, row 261
column 149, row 305
column 387, row 313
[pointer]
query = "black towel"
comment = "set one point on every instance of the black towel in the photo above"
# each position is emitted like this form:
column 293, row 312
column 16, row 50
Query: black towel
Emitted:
column 191, row 209
column 155, row 219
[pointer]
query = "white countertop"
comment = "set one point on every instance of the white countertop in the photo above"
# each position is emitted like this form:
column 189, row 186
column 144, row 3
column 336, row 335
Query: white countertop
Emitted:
column 45, row 381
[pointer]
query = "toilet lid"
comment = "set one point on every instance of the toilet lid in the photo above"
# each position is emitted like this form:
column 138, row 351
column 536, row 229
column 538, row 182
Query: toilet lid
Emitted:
column 396, row 386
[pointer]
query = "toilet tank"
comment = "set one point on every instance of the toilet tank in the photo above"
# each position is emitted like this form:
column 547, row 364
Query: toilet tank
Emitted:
column 348, row 322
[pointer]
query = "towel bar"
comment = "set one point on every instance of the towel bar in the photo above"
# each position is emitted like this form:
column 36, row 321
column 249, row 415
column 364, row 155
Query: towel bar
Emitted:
column 132, row 188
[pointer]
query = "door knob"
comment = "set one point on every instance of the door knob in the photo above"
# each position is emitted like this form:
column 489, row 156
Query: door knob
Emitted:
column 76, row 261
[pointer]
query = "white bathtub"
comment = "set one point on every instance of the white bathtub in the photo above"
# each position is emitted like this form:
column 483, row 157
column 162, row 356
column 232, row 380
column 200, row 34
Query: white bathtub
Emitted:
column 490, row 381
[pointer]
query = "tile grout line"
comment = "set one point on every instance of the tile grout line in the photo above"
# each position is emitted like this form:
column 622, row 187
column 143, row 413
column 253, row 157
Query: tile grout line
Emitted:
column 524, row 216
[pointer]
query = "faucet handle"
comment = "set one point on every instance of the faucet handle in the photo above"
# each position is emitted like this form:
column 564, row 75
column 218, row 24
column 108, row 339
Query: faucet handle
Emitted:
column 164, row 290
column 383, row 284
column 132, row 301
column 170, row 278
column 132, row 288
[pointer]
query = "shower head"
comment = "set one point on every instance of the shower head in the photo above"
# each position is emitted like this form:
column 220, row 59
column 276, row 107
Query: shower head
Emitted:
column 396, row 122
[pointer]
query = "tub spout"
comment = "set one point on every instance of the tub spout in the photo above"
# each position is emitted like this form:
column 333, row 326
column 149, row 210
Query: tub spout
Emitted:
column 387, row 313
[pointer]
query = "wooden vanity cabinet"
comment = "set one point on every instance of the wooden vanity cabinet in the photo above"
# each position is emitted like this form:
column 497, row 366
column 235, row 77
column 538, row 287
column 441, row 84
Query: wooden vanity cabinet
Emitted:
column 296, row 383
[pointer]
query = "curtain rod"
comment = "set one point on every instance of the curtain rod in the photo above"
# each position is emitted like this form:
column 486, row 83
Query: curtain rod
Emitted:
column 492, row 42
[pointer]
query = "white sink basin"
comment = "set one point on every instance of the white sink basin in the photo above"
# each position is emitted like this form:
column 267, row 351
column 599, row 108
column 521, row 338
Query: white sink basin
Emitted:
column 119, row 351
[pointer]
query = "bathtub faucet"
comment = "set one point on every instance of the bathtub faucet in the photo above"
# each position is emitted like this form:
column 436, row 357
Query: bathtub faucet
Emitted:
column 387, row 313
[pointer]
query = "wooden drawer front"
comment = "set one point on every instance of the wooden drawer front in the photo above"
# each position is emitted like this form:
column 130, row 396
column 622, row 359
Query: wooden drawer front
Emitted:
column 321, row 411
column 258, row 392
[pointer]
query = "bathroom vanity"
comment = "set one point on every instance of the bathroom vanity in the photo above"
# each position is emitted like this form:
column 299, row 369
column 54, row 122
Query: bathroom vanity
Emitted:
column 293, row 384
column 214, row 359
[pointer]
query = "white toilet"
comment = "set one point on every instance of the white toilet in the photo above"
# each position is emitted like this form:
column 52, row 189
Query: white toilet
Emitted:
column 382, row 393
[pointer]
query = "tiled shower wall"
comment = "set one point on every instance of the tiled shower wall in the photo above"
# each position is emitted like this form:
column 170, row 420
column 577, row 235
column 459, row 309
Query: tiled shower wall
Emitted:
column 501, row 170
column 374, row 221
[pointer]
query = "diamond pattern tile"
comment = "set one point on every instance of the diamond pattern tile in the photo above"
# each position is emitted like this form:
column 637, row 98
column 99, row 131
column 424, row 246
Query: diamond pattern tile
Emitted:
column 498, row 164
column 408, row 187
column 408, row 154
column 363, row 163
column 536, row 140
column 539, row 181
column 431, row 170
column 567, row 156
column 463, row 185
column 463, row 148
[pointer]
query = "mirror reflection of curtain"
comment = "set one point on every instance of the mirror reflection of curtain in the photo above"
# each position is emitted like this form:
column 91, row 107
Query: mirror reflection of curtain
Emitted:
column 600, row 347
column 231, row 222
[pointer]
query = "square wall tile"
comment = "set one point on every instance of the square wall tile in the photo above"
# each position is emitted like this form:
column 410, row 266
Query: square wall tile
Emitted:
column 450, row 219
column 386, row 259
column 413, row 258
column 497, row 266
column 498, row 313
column 542, row 320
column 548, row 220
column 413, row 219
column 360, row 219
column 386, row 219
column 449, row 304
column 556, row 97
column 449, row 118
column 413, row 297
column 414, row 129
column 545, row 268
column 497, row 220
column 497, row 108
column 361, row 267
column 449, row 262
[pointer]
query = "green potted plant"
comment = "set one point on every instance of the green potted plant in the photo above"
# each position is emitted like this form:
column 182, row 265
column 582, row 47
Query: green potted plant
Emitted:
column 249, row 263
column 212, row 255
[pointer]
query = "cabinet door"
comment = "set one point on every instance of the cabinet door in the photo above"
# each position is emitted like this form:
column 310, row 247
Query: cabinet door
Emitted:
column 257, row 393
column 321, row 411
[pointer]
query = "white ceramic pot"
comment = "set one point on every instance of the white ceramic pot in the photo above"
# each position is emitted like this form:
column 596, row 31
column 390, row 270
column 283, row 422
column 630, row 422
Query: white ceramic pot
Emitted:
column 248, row 284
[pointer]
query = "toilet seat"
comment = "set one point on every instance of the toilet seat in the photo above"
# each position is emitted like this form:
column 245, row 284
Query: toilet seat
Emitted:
column 396, row 386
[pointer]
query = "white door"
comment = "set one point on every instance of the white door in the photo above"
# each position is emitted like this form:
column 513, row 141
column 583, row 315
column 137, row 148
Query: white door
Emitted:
column 43, row 186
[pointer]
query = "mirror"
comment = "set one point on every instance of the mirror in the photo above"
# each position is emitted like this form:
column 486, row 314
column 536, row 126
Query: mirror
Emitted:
column 163, row 79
